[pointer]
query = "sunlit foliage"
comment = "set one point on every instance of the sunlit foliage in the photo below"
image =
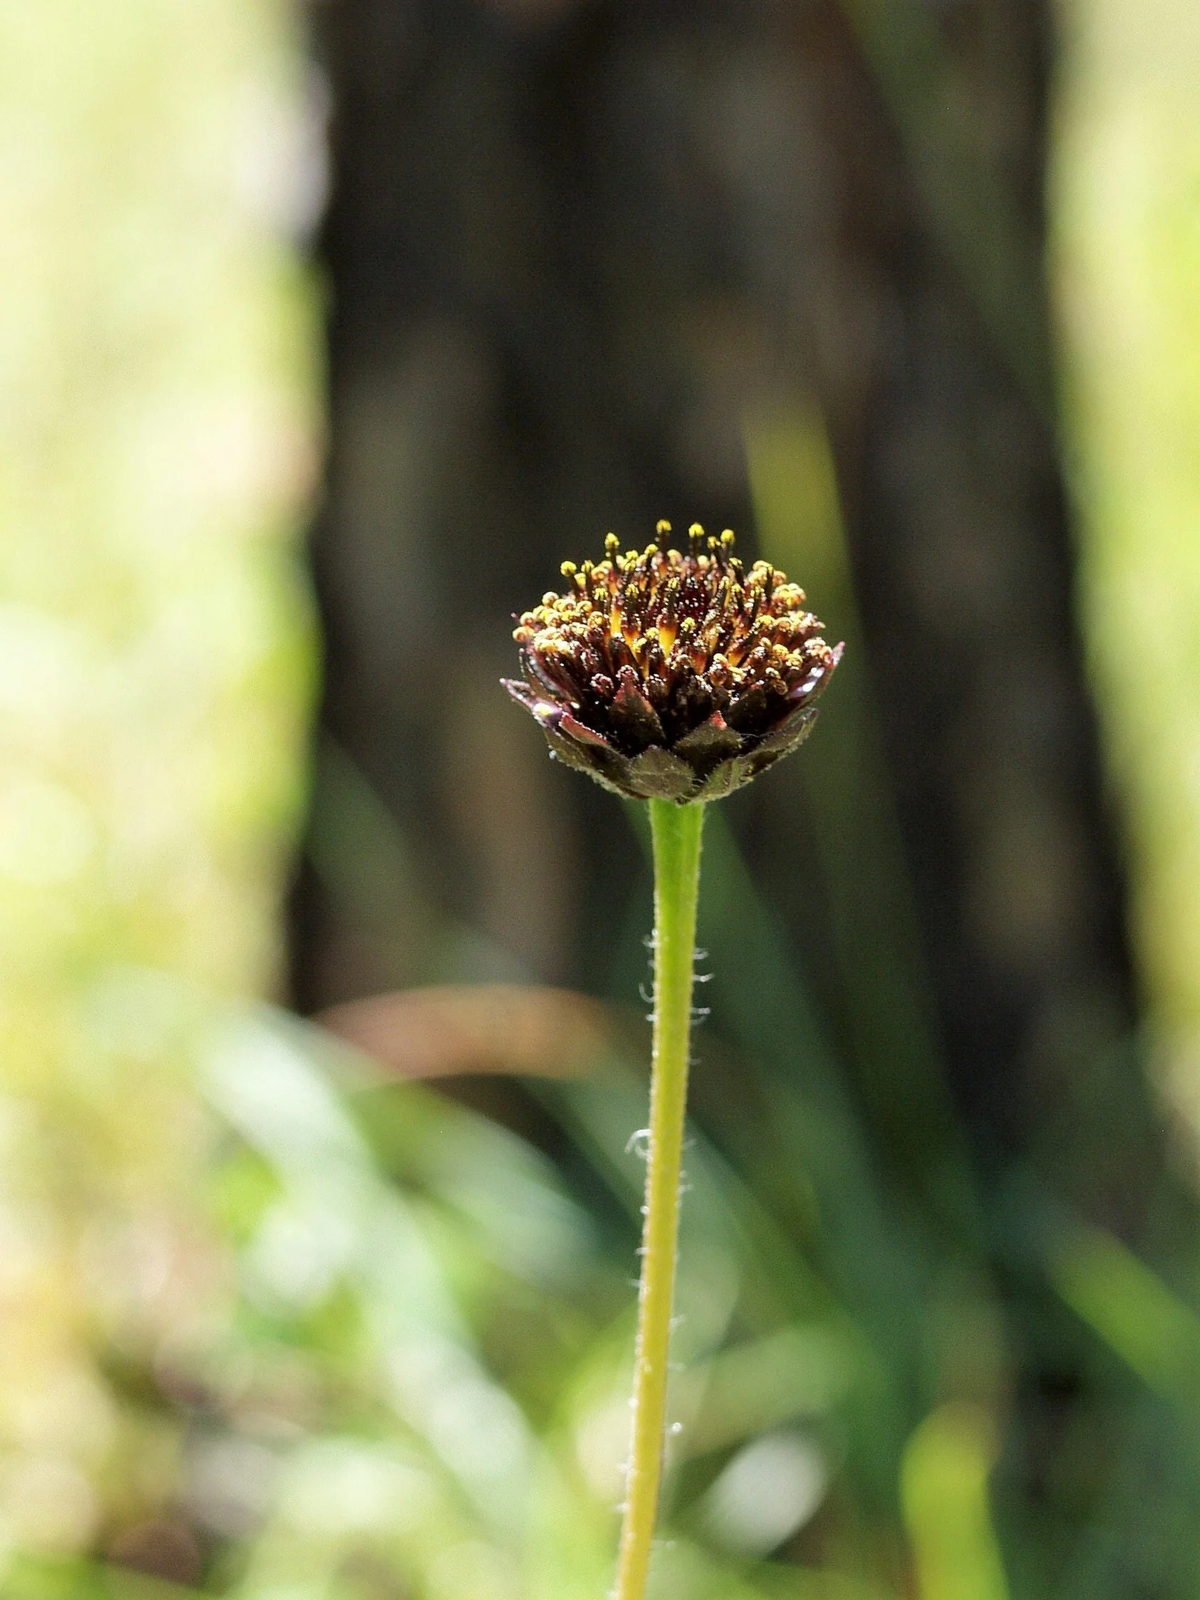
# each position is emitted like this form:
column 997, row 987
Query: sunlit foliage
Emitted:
column 1128, row 256
column 157, row 441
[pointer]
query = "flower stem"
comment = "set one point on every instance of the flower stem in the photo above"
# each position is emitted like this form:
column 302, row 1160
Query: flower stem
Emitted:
column 676, row 830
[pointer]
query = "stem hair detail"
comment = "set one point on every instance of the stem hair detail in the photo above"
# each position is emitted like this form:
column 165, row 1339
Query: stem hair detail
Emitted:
column 676, row 831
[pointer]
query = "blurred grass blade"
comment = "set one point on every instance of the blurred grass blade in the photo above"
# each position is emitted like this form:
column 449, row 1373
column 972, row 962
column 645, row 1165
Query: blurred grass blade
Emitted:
column 801, row 1371
column 848, row 791
column 973, row 207
column 944, row 1486
column 1131, row 1308
column 264, row 1075
column 365, row 862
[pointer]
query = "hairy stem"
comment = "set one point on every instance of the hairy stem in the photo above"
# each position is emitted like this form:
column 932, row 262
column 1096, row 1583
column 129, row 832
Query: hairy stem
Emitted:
column 676, row 830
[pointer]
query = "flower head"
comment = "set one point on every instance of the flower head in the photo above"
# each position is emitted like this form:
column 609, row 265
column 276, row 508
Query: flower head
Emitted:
column 671, row 676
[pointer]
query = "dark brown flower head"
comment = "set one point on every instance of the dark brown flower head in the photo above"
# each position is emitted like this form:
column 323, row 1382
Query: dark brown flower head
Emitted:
column 669, row 676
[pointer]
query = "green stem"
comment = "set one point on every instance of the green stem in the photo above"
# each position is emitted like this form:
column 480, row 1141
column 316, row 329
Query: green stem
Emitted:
column 676, row 831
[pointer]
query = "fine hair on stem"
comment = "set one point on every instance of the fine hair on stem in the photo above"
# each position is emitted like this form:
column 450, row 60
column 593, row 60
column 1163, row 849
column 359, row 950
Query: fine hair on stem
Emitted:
column 676, row 831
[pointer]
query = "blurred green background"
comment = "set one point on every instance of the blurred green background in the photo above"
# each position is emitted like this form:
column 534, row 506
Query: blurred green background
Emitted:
column 327, row 332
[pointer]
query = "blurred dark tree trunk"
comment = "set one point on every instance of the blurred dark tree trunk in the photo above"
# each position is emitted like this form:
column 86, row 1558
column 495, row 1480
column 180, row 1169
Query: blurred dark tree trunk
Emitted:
column 572, row 244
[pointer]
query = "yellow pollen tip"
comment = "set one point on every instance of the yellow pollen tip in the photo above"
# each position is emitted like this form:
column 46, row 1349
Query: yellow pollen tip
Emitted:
column 662, row 526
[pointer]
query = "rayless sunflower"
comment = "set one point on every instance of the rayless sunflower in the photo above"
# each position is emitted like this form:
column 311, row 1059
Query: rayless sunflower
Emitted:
column 668, row 676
